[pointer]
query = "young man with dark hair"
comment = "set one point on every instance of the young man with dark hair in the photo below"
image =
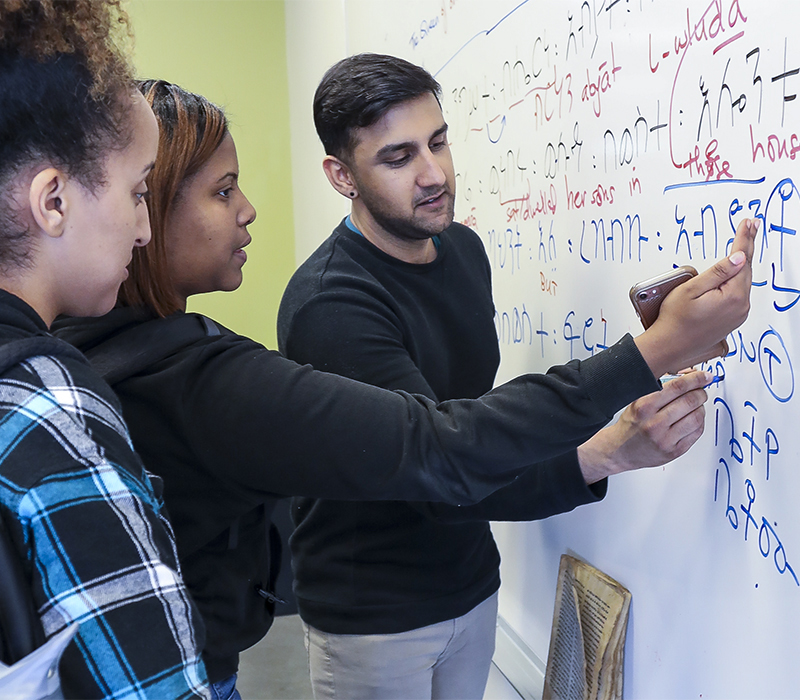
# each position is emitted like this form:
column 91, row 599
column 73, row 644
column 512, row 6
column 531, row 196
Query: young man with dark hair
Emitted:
column 400, row 599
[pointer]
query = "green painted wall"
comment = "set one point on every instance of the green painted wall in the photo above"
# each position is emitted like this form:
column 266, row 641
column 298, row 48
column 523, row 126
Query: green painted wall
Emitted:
column 234, row 53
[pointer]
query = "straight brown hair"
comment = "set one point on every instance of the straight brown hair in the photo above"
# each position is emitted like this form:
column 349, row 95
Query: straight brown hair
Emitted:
column 191, row 128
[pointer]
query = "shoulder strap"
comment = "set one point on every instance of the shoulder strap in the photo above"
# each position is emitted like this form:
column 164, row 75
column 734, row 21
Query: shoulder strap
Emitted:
column 20, row 627
column 16, row 351
column 211, row 327
column 133, row 350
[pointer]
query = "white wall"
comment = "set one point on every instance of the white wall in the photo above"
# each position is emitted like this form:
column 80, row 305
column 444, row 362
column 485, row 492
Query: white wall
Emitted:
column 315, row 40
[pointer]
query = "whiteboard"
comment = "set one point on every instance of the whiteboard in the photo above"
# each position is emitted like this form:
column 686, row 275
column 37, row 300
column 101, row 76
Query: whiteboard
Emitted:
column 598, row 143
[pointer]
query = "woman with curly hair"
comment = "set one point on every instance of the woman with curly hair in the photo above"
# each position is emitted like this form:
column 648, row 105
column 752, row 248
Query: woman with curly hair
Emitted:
column 77, row 141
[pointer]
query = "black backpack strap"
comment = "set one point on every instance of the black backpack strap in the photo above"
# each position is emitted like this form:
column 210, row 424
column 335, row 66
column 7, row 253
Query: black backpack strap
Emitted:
column 20, row 627
column 16, row 351
column 268, row 589
column 210, row 327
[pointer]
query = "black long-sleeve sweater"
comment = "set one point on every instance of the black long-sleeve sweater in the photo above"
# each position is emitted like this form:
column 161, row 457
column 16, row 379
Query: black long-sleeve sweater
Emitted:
column 378, row 567
column 230, row 425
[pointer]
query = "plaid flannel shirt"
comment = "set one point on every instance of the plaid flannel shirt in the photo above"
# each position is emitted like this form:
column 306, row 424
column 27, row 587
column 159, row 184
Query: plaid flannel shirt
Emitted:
column 97, row 546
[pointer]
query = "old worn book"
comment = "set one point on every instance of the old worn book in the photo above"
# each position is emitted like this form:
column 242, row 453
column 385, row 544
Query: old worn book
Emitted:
column 587, row 642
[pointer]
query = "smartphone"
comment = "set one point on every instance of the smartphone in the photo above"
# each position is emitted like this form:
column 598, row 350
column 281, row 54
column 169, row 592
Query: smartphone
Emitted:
column 647, row 296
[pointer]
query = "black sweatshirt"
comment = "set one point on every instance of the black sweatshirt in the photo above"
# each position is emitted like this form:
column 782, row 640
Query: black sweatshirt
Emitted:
column 230, row 425
column 383, row 568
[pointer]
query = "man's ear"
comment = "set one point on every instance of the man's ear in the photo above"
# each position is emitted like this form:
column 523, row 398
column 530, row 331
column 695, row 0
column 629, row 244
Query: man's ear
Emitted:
column 47, row 201
column 340, row 177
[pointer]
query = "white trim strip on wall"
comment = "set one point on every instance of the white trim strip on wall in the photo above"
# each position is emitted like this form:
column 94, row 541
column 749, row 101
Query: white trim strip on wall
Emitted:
column 518, row 662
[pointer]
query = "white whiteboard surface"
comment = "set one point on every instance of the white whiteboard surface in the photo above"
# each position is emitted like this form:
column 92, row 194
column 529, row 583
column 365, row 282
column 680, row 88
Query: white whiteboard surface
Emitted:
column 598, row 143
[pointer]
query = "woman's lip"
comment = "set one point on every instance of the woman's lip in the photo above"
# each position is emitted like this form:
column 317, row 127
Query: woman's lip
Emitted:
column 240, row 250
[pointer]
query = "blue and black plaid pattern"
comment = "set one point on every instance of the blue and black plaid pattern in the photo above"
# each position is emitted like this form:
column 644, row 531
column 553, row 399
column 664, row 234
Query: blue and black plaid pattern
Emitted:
column 99, row 549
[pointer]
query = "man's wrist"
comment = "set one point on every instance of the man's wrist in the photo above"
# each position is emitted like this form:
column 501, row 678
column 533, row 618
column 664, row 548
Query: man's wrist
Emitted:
column 654, row 351
column 594, row 461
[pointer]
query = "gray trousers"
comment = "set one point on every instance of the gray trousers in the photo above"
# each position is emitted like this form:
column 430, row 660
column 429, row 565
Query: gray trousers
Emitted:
column 446, row 661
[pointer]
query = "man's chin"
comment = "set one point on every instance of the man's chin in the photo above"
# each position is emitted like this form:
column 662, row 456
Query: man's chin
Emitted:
column 417, row 229
column 434, row 229
column 434, row 224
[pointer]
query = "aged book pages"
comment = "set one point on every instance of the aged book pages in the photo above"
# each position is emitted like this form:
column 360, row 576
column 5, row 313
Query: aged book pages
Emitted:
column 587, row 642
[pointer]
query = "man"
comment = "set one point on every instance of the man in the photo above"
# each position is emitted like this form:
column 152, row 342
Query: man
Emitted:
column 400, row 599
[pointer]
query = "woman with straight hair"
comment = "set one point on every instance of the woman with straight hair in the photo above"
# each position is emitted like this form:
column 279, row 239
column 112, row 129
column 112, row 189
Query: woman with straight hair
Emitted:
column 77, row 141
column 232, row 426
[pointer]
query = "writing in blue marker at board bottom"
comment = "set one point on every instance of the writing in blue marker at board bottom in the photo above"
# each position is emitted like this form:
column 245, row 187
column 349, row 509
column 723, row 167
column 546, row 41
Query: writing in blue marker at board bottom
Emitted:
column 750, row 447
column 745, row 447
column 768, row 540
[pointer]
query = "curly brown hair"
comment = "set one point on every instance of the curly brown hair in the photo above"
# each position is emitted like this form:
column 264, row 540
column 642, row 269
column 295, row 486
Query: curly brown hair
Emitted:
column 65, row 96
column 41, row 29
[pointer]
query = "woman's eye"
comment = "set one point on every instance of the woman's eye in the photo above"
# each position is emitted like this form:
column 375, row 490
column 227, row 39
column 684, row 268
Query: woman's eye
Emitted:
column 142, row 197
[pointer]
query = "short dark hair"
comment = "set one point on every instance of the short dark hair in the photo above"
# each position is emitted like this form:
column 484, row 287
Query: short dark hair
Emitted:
column 357, row 91
column 66, row 89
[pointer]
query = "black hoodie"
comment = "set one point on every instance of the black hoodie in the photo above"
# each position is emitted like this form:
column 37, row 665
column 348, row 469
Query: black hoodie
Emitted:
column 231, row 426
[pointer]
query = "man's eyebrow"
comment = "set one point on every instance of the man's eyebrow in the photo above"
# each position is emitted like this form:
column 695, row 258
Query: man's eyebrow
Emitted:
column 234, row 176
column 441, row 130
column 394, row 147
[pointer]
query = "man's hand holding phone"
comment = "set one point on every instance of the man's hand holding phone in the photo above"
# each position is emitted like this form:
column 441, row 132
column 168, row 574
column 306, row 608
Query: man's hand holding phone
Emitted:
column 648, row 296
column 695, row 317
